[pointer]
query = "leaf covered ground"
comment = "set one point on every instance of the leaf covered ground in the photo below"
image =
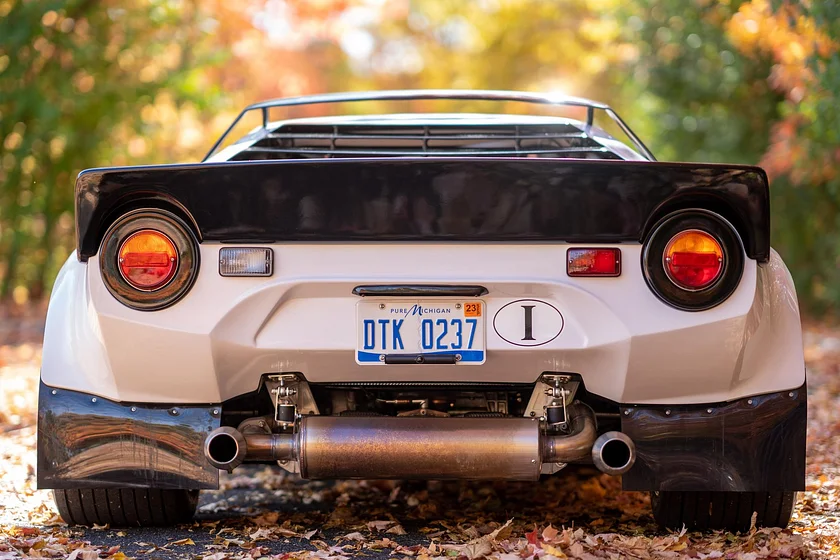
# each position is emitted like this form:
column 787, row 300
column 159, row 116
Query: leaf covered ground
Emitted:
column 262, row 513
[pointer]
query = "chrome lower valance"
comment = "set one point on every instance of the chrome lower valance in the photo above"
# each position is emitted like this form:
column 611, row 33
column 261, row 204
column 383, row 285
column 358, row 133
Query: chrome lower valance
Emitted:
column 88, row 441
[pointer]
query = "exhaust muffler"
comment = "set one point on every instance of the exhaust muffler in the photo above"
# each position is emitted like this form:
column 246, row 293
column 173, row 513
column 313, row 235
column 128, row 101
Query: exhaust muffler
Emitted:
column 347, row 447
column 420, row 448
column 391, row 448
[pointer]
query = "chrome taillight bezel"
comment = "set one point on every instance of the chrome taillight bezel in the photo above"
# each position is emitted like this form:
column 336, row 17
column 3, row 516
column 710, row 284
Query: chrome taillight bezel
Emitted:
column 172, row 227
column 655, row 270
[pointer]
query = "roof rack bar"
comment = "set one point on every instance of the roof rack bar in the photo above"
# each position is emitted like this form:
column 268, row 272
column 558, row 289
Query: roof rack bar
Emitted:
column 385, row 152
column 436, row 137
column 431, row 94
column 630, row 134
column 225, row 134
column 440, row 94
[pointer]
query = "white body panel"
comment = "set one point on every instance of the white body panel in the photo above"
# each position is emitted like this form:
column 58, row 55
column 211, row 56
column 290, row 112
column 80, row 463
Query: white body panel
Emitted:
column 216, row 343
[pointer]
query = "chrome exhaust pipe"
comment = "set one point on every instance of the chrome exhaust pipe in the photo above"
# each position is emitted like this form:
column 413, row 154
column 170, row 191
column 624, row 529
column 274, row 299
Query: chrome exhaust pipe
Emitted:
column 576, row 445
column 410, row 447
column 613, row 453
column 226, row 448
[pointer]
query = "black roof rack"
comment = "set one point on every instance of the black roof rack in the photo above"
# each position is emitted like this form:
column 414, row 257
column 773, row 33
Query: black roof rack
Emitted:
column 441, row 94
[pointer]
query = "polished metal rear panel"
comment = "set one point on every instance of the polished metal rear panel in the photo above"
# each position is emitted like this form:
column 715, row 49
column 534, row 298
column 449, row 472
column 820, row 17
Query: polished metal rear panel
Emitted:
column 86, row 441
column 756, row 444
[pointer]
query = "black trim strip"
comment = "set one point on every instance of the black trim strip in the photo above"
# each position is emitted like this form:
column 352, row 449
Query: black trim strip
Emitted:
column 419, row 290
column 419, row 359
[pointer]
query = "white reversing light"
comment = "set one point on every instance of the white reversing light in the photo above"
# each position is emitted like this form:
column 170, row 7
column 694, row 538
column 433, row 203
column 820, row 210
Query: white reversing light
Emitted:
column 246, row 261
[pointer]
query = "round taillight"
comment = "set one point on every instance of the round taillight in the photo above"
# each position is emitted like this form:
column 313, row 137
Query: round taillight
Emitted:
column 693, row 259
column 148, row 259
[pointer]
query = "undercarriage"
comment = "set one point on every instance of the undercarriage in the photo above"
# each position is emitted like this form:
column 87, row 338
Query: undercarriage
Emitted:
column 423, row 431
column 416, row 430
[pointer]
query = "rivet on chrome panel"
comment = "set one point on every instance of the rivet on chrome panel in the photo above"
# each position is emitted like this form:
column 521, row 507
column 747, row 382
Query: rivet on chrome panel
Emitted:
column 709, row 410
column 381, row 306
column 93, row 399
column 667, row 413
column 215, row 412
column 533, row 461
column 627, row 412
column 791, row 394
column 54, row 392
column 457, row 306
column 174, row 411
column 750, row 402
column 457, row 357
column 381, row 357
column 133, row 409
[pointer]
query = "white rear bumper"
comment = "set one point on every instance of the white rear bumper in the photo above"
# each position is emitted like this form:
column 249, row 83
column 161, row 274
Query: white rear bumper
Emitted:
column 216, row 343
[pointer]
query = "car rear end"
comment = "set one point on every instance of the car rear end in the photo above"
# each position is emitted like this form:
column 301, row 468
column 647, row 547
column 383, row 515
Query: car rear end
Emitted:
column 445, row 314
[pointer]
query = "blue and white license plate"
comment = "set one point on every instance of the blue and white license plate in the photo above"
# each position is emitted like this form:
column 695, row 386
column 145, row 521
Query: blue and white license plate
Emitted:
column 401, row 327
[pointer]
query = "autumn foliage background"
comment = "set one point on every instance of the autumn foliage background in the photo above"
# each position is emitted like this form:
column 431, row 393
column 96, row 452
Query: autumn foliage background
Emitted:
column 87, row 83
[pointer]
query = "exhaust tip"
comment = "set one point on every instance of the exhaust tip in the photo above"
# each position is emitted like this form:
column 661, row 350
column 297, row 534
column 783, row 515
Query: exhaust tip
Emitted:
column 225, row 448
column 613, row 453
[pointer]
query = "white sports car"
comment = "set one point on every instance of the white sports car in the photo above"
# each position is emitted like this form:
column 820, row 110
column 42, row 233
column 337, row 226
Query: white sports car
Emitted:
column 425, row 295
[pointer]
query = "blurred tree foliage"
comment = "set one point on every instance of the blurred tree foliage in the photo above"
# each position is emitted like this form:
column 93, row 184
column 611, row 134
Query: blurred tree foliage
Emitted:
column 703, row 99
column 804, row 153
column 565, row 46
column 72, row 74
column 752, row 82
column 86, row 83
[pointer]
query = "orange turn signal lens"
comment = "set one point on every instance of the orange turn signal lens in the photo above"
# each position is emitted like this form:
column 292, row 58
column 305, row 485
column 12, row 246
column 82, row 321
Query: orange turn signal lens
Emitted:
column 148, row 259
column 693, row 260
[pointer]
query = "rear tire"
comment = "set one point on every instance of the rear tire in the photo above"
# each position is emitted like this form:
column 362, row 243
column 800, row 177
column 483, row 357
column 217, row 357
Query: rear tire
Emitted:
column 125, row 507
column 731, row 511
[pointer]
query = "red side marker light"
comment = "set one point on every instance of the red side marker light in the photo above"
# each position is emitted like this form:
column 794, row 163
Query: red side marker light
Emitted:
column 593, row 262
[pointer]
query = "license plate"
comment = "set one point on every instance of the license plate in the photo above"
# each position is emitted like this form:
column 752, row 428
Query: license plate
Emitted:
column 421, row 328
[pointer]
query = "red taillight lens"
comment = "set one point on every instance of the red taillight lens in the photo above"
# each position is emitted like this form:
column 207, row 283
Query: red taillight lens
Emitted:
column 148, row 259
column 693, row 260
column 593, row 262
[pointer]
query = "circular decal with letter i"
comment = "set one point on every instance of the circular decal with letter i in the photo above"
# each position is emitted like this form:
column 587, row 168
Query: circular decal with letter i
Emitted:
column 528, row 322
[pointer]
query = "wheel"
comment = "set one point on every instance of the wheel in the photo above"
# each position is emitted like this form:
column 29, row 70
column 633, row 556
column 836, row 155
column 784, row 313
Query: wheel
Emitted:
column 123, row 507
column 732, row 511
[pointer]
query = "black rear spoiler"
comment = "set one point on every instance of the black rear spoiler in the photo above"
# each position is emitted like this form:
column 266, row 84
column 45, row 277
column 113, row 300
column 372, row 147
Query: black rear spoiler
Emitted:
column 426, row 200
